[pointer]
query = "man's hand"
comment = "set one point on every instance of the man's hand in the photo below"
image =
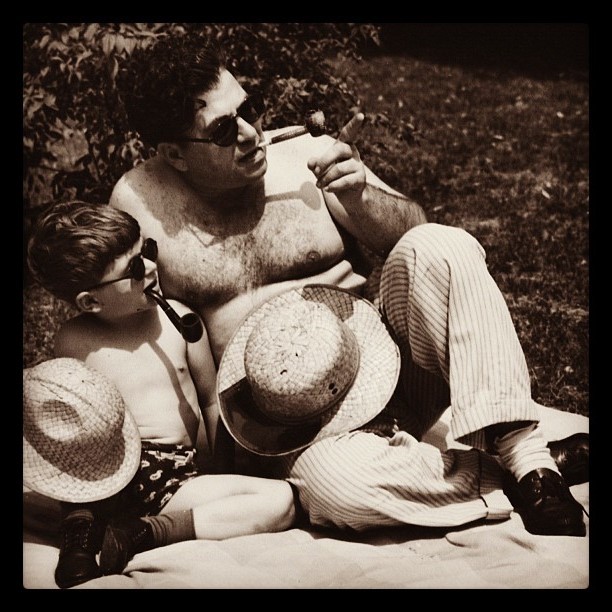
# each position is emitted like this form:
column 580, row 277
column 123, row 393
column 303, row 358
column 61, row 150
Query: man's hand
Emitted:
column 340, row 168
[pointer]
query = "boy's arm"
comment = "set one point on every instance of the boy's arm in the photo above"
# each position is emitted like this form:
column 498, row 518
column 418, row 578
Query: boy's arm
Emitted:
column 204, row 374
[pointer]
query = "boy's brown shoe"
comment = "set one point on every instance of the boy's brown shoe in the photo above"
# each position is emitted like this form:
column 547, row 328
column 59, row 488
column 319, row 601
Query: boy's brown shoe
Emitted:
column 77, row 556
column 121, row 542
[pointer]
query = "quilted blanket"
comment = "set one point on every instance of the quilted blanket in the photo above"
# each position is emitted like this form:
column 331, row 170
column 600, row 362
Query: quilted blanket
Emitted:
column 484, row 555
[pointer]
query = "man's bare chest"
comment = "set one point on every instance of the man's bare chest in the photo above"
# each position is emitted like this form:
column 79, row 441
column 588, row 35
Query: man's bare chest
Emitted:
column 215, row 256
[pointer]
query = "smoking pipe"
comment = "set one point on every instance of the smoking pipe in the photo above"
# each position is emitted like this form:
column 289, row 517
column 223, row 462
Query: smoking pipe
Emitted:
column 189, row 325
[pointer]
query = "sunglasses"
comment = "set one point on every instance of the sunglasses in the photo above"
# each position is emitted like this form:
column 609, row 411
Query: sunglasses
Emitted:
column 226, row 132
column 136, row 266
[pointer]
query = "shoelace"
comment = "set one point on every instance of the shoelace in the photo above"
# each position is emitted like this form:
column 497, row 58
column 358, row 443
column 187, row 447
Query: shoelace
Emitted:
column 78, row 534
column 550, row 489
column 140, row 536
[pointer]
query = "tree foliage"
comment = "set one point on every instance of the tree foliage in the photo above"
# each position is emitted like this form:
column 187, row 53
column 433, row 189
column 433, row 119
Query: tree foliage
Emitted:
column 76, row 140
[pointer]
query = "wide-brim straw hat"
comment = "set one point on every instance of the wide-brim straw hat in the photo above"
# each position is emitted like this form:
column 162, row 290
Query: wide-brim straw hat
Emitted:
column 80, row 444
column 306, row 365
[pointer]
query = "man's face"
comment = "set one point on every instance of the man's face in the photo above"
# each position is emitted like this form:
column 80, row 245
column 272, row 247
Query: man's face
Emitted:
column 225, row 167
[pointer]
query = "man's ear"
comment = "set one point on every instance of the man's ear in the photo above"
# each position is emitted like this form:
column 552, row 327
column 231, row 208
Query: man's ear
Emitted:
column 87, row 302
column 173, row 155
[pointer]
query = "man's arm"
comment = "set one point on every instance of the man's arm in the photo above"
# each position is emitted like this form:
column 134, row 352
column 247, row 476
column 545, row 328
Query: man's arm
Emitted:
column 363, row 204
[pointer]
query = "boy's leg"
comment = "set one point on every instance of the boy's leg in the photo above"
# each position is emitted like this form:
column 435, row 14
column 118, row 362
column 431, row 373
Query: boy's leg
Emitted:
column 211, row 507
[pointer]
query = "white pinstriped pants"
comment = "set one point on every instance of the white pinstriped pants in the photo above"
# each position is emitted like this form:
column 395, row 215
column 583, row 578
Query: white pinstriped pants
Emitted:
column 459, row 348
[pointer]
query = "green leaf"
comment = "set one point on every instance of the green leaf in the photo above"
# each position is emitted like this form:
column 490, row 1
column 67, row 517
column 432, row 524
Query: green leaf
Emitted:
column 92, row 28
column 120, row 43
column 50, row 101
column 108, row 43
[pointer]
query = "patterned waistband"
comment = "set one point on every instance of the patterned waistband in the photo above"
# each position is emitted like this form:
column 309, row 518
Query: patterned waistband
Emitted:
column 147, row 445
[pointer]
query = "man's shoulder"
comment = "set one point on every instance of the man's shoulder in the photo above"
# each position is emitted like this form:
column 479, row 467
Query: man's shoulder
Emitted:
column 140, row 188
column 123, row 190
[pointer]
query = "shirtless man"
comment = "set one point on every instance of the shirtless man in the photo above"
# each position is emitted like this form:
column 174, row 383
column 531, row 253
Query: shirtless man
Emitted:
column 238, row 222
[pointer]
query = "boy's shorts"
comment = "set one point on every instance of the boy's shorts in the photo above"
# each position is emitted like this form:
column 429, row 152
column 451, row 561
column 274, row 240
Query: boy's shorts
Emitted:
column 164, row 468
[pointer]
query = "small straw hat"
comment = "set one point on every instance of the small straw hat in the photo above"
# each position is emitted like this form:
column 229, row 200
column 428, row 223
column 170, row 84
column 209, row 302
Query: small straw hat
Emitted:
column 80, row 444
column 306, row 365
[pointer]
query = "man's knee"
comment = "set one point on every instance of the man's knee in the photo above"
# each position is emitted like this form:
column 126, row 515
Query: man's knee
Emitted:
column 433, row 241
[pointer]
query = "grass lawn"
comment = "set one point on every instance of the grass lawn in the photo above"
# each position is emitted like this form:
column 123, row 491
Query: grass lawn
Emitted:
column 502, row 154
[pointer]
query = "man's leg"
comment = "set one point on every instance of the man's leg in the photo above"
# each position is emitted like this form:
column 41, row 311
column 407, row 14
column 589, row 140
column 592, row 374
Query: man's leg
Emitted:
column 362, row 480
column 451, row 320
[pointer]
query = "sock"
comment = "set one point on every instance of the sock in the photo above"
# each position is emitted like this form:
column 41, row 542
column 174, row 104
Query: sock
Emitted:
column 524, row 450
column 79, row 513
column 102, row 509
column 171, row 527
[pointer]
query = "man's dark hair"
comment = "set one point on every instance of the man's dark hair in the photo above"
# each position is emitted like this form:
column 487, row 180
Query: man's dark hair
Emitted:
column 163, row 82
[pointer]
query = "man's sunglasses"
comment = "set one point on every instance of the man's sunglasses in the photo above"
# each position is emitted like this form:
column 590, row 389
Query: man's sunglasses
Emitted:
column 226, row 132
column 136, row 266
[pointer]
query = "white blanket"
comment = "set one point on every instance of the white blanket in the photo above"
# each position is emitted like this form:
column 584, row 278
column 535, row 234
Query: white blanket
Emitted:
column 499, row 555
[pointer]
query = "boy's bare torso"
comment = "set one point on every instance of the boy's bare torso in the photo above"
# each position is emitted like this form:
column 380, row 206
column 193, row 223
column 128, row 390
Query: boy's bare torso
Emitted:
column 145, row 358
column 226, row 262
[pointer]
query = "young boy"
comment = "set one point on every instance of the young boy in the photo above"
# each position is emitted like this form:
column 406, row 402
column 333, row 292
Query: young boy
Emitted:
column 94, row 257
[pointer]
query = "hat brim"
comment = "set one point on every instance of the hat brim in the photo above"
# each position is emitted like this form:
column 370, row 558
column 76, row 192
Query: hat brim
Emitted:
column 42, row 476
column 374, row 384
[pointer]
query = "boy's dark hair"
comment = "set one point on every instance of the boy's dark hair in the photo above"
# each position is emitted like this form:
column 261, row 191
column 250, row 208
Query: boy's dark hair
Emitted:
column 162, row 82
column 73, row 243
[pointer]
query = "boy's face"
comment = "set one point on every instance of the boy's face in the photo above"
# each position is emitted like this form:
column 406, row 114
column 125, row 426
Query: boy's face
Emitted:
column 125, row 296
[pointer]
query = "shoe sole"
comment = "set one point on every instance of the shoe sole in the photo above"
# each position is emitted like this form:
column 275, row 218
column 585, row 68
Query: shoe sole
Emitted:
column 573, row 531
column 73, row 583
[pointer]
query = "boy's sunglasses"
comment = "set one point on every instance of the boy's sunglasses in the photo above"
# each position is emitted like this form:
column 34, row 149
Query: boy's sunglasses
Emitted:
column 136, row 266
column 226, row 132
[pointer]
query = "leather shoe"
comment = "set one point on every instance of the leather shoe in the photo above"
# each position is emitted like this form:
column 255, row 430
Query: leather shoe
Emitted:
column 572, row 458
column 545, row 503
column 77, row 556
column 121, row 542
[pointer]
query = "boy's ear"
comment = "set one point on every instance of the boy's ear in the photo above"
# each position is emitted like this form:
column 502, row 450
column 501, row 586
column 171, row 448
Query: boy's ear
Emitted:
column 173, row 155
column 87, row 302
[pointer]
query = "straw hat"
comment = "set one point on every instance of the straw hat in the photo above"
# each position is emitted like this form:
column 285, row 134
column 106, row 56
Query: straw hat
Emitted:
column 308, row 364
column 80, row 444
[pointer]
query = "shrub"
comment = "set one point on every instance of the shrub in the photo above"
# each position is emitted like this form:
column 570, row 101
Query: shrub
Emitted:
column 76, row 141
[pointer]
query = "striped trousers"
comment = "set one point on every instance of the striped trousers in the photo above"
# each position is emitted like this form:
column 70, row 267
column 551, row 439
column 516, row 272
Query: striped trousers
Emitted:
column 459, row 349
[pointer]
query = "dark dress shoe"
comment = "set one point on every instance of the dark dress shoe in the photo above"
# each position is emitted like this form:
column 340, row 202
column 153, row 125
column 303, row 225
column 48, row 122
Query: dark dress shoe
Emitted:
column 77, row 556
column 572, row 458
column 121, row 542
column 545, row 503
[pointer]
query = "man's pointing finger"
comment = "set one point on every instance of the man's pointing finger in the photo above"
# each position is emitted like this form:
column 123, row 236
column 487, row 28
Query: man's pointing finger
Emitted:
column 350, row 131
